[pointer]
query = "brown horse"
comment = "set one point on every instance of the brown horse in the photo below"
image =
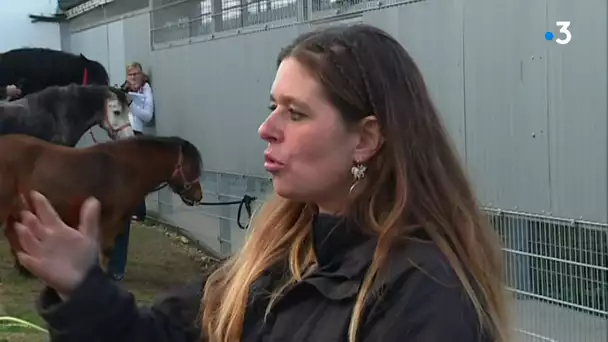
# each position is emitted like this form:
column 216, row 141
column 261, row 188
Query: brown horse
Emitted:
column 118, row 173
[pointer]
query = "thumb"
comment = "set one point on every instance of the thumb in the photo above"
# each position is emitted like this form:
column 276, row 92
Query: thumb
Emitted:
column 89, row 218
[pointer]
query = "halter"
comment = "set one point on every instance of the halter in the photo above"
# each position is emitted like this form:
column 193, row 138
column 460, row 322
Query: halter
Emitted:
column 85, row 76
column 113, row 132
column 179, row 171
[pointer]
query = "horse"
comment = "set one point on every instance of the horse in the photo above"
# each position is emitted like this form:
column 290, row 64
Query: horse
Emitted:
column 118, row 173
column 62, row 114
column 34, row 69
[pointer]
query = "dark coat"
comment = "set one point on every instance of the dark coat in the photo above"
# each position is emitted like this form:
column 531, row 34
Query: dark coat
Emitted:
column 421, row 301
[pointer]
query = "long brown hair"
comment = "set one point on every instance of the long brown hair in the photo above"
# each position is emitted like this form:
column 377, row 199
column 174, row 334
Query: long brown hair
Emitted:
column 418, row 182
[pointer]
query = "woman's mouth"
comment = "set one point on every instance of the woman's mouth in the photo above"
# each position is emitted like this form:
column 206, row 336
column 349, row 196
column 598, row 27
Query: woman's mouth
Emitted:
column 272, row 165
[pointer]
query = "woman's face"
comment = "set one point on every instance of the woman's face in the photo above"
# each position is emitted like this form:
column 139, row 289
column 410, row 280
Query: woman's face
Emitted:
column 310, row 150
column 135, row 77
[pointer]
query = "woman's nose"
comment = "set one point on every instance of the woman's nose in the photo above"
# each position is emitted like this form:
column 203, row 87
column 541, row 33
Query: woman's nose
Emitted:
column 268, row 130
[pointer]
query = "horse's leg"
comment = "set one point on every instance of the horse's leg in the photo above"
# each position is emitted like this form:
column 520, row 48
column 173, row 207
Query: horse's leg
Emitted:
column 108, row 240
column 10, row 209
column 104, row 259
column 106, row 246
column 15, row 246
column 107, row 249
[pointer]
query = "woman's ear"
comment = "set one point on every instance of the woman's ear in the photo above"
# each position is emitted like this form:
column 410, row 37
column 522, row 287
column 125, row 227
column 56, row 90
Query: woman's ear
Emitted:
column 370, row 139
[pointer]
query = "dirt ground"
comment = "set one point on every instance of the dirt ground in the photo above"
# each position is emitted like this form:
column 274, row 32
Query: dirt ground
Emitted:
column 158, row 260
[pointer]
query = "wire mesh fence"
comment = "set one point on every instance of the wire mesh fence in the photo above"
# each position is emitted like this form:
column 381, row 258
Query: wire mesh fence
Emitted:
column 107, row 12
column 557, row 270
column 178, row 20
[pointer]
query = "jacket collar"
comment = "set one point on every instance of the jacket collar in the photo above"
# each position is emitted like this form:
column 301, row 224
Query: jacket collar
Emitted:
column 343, row 254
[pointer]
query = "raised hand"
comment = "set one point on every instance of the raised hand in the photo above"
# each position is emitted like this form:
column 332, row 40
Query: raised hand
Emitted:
column 57, row 254
column 12, row 91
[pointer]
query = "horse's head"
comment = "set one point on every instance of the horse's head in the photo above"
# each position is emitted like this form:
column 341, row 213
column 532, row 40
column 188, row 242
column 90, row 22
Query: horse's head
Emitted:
column 116, row 120
column 186, row 175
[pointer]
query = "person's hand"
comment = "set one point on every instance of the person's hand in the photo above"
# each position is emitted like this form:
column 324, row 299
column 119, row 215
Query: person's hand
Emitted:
column 125, row 87
column 131, row 85
column 57, row 254
column 12, row 91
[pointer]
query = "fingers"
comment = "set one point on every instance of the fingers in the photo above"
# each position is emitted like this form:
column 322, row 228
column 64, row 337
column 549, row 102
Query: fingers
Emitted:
column 24, row 203
column 44, row 210
column 89, row 218
column 32, row 264
column 32, row 224
column 29, row 243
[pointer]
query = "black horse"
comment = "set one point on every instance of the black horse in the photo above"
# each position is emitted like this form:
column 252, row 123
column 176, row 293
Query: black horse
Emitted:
column 34, row 69
column 62, row 114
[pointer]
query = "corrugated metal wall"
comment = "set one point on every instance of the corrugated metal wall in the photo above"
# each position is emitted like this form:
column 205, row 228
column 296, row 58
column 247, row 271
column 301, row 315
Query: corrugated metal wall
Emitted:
column 529, row 118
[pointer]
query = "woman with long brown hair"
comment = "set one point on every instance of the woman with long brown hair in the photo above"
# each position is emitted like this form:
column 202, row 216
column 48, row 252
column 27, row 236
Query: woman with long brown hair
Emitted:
column 372, row 234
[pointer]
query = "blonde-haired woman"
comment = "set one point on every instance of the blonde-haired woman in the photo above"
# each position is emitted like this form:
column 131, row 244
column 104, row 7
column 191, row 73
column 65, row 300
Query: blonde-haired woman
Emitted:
column 142, row 107
column 142, row 112
column 138, row 86
column 373, row 233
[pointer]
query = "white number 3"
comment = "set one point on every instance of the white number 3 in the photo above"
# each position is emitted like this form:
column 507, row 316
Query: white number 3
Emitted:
column 563, row 28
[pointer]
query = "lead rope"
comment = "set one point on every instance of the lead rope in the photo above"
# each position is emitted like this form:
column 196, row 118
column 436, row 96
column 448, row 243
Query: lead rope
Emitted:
column 8, row 321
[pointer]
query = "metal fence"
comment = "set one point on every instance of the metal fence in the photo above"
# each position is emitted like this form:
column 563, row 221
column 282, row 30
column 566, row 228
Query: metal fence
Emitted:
column 107, row 13
column 557, row 270
column 182, row 21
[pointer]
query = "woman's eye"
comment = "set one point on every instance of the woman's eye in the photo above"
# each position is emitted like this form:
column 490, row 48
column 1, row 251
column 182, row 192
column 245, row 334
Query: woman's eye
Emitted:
column 295, row 116
column 272, row 107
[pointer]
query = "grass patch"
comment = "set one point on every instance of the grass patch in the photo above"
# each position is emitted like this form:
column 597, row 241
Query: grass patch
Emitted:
column 157, row 262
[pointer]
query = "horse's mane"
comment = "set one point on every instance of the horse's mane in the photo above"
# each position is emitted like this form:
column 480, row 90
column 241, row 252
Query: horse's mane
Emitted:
column 57, row 113
column 188, row 149
column 73, row 100
column 90, row 95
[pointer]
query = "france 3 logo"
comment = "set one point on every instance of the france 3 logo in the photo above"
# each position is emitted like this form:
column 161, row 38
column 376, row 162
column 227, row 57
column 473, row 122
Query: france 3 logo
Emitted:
column 564, row 35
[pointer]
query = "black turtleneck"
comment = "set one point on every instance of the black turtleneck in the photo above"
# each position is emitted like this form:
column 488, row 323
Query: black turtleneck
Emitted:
column 333, row 238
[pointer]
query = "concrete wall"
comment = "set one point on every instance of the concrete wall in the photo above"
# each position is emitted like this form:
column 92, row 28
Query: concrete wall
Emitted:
column 529, row 116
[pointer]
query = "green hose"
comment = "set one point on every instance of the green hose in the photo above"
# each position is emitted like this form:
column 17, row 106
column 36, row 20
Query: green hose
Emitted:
column 17, row 322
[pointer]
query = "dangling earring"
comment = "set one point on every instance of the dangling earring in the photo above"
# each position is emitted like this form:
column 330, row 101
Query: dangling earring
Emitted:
column 358, row 171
